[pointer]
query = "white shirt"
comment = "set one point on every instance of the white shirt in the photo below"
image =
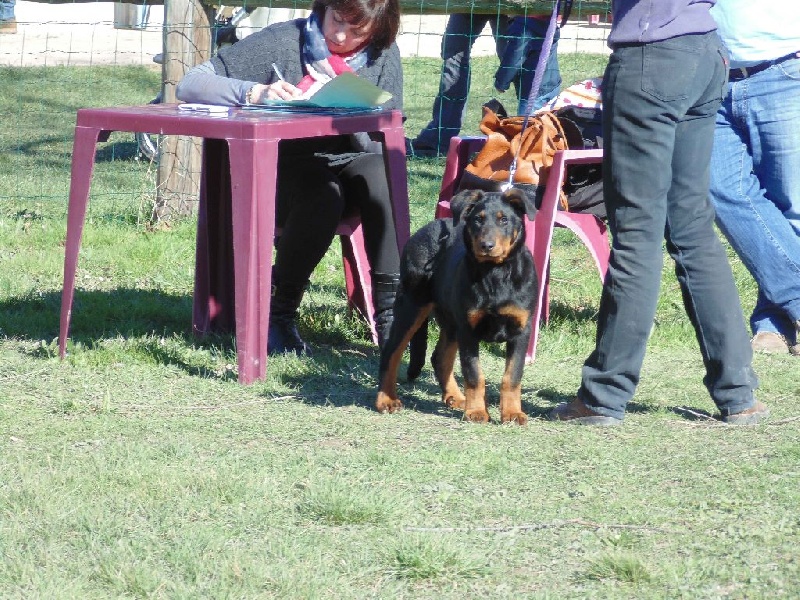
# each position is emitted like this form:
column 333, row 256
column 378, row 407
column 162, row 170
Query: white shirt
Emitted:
column 755, row 31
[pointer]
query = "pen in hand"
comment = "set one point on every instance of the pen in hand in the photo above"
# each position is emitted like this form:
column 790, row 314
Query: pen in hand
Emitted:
column 286, row 90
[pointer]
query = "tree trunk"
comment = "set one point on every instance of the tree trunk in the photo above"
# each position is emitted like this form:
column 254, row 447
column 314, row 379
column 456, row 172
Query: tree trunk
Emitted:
column 187, row 42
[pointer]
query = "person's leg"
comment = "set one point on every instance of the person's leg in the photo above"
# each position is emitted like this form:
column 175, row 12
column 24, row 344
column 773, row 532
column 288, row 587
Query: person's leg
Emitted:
column 755, row 187
column 499, row 26
column 637, row 134
column 642, row 111
column 701, row 263
column 366, row 188
column 8, row 22
column 536, row 30
column 451, row 101
column 310, row 205
column 7, row 9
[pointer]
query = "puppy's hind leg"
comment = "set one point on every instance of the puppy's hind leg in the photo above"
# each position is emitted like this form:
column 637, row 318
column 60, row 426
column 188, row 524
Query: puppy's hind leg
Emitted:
column 417, row 349
column 407, row 320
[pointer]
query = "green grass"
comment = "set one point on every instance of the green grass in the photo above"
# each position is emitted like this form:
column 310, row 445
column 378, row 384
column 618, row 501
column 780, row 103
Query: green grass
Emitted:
column 139, row 467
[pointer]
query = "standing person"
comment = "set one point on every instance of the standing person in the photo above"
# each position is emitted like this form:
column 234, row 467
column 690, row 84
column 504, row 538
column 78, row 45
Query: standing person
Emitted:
column 318, row 179
column 8, row 20
column 518, row 62
column 450, row 103
column 755, row 164
column 663, row 84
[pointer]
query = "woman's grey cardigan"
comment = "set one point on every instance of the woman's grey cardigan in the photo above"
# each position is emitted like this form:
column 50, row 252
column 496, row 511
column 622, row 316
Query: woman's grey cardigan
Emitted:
column 226, row 78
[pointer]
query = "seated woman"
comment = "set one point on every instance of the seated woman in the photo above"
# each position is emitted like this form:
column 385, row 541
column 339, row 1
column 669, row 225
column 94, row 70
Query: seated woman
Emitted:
column 318, row 179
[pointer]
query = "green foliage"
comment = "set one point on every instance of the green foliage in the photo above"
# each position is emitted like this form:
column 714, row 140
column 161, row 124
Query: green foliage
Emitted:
column 138, row 467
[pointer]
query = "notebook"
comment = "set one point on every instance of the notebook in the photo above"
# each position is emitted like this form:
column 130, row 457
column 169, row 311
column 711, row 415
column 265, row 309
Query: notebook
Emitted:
column 346, row 91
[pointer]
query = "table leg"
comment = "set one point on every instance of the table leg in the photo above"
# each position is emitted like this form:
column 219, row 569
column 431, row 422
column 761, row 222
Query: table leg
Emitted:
column 213, row 301
column 84, row 148
column 253, row 168
column 395, row 159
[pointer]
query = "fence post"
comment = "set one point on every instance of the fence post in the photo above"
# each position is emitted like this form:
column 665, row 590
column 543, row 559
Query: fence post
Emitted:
column 187, row 42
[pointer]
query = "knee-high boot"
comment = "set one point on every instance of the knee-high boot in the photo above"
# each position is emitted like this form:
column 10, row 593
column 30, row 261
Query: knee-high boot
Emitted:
column 384, row 290
column 283, row 335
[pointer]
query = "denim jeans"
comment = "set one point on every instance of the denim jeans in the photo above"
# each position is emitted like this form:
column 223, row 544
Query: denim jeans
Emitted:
column 519, row 61
column 659, row 103
column 755, row 187
column 450, row 103
column 7, row 9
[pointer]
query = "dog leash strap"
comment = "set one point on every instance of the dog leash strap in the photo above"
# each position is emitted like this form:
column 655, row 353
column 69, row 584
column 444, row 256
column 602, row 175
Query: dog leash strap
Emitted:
column 544, row 55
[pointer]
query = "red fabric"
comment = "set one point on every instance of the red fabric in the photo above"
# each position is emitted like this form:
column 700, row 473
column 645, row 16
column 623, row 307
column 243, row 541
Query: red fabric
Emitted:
column 338, row 65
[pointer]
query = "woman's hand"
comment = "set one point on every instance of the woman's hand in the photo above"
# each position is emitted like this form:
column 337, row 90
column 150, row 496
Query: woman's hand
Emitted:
column 280, row 90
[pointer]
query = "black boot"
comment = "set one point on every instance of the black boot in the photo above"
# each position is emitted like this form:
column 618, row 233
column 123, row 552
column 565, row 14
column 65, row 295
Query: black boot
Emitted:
column 283, row 335
column 384, row 289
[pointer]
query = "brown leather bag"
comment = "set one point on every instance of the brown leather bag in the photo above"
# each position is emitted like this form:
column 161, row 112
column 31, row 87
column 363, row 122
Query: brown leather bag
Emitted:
column 542, row 137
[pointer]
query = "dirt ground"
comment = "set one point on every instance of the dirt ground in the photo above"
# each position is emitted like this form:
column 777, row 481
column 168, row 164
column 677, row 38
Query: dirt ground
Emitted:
column 84, row 33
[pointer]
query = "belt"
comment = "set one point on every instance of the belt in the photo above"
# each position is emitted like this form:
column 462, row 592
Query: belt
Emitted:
column 745, row 72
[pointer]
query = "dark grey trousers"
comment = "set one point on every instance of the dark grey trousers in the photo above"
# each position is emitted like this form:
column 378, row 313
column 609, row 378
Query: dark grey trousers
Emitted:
column 659, row 103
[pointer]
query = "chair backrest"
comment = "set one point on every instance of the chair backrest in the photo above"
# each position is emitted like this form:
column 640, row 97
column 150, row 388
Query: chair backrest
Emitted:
column 458, row 156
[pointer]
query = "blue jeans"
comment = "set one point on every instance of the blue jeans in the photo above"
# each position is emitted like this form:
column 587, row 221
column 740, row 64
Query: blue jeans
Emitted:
column 519, row 61
column 659, row 103
column 450, row 104
column 7, row 9
column 755, row 187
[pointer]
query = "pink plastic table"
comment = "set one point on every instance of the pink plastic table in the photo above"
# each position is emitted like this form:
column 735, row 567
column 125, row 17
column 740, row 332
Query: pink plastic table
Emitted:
column 236, row 220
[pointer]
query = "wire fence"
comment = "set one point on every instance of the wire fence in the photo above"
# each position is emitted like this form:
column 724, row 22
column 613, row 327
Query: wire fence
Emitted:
column 102, row 34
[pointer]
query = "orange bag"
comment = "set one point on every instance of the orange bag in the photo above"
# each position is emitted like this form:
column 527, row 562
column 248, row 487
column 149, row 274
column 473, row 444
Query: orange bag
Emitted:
column 534, row 148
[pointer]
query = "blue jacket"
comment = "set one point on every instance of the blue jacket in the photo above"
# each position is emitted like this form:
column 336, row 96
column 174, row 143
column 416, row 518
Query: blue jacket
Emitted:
column 641, row 21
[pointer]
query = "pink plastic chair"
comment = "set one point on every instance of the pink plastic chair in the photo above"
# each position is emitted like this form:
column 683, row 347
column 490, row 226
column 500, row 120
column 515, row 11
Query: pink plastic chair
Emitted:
column 357, row 274
column 589, row 229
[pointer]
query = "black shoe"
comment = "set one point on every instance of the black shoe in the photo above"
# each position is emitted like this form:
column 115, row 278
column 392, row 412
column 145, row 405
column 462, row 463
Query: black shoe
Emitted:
column 284, row 338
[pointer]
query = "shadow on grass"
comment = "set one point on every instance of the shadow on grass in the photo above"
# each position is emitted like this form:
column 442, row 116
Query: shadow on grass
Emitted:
column 123, row 312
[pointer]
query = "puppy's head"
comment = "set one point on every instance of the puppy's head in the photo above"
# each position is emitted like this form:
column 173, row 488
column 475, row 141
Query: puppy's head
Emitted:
column 494, row 222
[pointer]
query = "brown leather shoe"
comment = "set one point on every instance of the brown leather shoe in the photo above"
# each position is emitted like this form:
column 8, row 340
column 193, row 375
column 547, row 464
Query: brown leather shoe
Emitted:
column 577, row 412
column 8, row 26
column 769, row 342
column 751, row 416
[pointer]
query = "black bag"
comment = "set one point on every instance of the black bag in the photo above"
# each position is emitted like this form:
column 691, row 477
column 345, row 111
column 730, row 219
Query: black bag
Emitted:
column 584, row 183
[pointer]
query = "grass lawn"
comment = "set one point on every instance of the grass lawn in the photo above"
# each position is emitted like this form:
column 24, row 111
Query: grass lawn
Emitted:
column 139, row 467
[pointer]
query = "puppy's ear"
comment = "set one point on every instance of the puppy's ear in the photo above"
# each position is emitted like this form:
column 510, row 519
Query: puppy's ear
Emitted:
column 521, row 202
column 463, row 202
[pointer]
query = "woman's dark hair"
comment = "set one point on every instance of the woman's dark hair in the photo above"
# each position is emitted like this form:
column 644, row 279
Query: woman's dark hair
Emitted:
column 382, row 15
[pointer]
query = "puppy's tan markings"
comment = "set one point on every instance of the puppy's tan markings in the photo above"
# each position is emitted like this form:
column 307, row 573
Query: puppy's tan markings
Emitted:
column 475, row 407
column 475, row 316
column 511, row 398
column 519, row 314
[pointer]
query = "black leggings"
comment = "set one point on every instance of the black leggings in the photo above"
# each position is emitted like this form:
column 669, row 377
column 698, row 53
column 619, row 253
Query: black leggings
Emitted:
column 312, row 198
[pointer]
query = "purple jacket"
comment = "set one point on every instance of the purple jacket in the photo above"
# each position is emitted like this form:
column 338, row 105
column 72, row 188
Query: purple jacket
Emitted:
column 639, row 21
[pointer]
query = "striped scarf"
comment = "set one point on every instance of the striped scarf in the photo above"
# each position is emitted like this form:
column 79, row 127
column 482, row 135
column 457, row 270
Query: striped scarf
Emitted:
column 321, row 65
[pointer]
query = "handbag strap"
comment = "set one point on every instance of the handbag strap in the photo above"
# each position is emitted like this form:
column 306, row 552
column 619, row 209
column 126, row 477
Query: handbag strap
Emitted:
column 544, row 55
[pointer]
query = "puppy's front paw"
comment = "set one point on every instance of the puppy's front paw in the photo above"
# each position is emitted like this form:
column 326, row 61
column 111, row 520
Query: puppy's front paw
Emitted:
column 386, row 404
column 454, row 398
column 477, row 415
column 520, row 418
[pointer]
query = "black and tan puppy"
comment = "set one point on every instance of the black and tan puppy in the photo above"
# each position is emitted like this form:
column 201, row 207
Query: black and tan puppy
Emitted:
column 476, row 275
